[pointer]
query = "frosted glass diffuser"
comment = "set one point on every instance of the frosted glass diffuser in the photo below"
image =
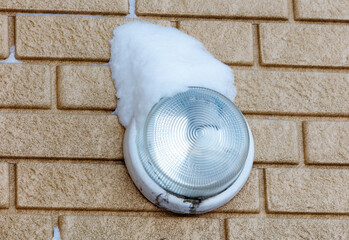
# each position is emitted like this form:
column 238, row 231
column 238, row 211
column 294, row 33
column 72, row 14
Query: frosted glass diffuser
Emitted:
column 194, row 144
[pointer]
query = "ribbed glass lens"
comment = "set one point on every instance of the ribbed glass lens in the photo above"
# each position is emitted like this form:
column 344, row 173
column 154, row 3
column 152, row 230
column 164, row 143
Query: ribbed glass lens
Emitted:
column 194, row 144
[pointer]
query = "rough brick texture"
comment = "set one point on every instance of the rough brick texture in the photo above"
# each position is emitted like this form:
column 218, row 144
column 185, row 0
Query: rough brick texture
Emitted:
column 225, row 8
column 78, row 186
column 4, row 185
column 230, row 42
column 4, row 46
column 258, row 91
column 91, row 186
column 275, row 141
column 327, row 142
column 61, row 148
column 247, row 200
column 67, row 37
column 283, row 228
column 24, row 227
column 114, row 227
column 70, row 6
column 292, row 92
column 60, row 136
column 307, row 190
column 304, row 44
column 25, row 86
column 334, row 10
column 85, row 87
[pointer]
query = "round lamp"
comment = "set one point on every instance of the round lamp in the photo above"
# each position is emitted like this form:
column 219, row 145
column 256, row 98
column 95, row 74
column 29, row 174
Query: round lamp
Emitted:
column 193, row 154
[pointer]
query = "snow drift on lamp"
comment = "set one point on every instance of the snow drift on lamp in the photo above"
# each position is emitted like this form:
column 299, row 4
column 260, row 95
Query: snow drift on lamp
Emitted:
column 150, row 61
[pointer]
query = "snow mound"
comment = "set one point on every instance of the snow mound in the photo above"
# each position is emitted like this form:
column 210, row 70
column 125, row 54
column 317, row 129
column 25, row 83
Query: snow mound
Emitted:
column 149, row 62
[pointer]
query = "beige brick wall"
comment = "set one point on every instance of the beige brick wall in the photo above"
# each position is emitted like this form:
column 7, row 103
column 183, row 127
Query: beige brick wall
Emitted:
column 25, row 226
column 335, row 10
column 4, row 185
column 25, row 86
column 4, row 50
column 85, row 87
column 61, row 150
column 304, row 44
column 67, row 6
column 230, row 42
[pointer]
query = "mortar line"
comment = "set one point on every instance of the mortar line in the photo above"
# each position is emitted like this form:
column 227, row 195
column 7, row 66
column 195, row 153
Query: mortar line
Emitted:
column 262, row 193
column 287, row 69
column 265, row 193
column 69, row 14
column 301, row 144
column 54, row 221
column 226, row 229
column 56, row 111
column 12, row 186
column 301, row 165
column 162, row 214
column 256, row 20
column 185, row 17
column 20, row 159
column 291, row 13
column 11, row 31
column 54, row 89
column 295, row 115
column 255, row 47
column 262, row 115
column 57, row 62
column 306, row 67
column 14, row 33
column 237, row 66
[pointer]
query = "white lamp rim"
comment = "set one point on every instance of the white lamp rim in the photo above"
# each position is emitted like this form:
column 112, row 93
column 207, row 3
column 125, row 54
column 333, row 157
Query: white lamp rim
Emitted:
column 163, row 199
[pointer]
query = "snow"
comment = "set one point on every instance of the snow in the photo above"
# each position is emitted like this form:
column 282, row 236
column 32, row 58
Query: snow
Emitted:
column 149, row 62
column 56, row 235
column 131, row 9
column 11, row 58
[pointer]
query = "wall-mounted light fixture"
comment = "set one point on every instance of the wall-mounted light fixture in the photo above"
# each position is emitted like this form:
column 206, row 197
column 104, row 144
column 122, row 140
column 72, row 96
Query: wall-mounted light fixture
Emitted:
column 193, row 154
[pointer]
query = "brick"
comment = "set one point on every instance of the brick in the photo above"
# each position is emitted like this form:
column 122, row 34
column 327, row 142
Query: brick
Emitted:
column 334, row 10
column 60, row 136
column 25, row 86
column 117, row 227
column 230, row 42
column 4, row 186
column 283, row 228
column 78, row 186
column 247, row 200
column 226, row 8
column 307, row 190
column 326, row 142
column 101, row 187
column 69, row 6
column 67, row 37
column 275, row 141
column 292, row 92
column 23, row 227
column 304, row 45
column 85, row 87
column 4, row 46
